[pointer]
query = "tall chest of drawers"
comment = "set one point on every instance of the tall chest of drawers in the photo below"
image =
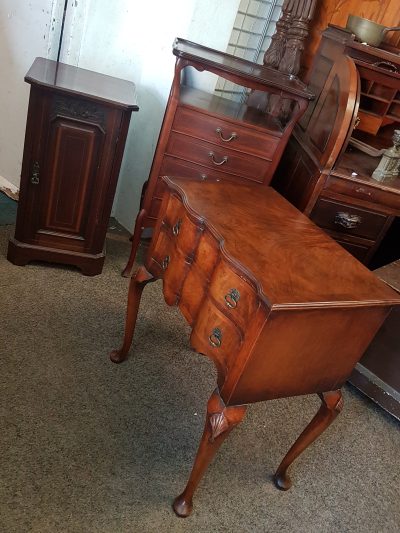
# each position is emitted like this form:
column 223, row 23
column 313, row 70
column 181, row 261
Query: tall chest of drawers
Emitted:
column 208, row 137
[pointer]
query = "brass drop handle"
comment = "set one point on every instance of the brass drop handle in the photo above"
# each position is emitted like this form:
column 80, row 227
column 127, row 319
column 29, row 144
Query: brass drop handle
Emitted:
column 228, row 139
column 165, row 262
column 215, row 338
column 35, row 173
column 347, row 220
column 176, row 228
column 218, row 163
column 387, row 64
column 232, row 298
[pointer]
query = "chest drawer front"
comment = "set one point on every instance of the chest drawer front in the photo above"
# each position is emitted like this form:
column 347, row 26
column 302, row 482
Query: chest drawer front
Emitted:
column 172, row 166
column 183, row 231
column 365, row 192
column 216, row 335
column 170, row 264
column 340, row 217
column 225, row 134
column 359, row 251
column 198, row 278
column 233, row 294
column 216, row 157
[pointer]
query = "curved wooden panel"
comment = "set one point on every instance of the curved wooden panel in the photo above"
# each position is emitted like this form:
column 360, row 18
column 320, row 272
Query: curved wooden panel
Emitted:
column 325, row 128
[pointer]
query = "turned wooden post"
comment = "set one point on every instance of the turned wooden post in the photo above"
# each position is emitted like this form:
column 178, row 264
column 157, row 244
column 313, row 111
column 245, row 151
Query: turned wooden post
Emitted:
column 276, row 49
column 289, row 63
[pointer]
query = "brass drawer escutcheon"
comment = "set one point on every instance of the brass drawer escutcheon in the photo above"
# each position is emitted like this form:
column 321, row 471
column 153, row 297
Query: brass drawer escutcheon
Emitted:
column 232, row 298
column 165, row 262
column 215, row 339
column 176, row 228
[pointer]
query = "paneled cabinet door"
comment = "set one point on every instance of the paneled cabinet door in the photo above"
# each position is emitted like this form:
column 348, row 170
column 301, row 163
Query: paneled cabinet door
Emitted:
column 67, row 167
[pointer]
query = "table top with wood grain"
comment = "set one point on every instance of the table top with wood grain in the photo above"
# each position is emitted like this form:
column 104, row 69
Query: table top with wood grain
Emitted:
column 292, row 262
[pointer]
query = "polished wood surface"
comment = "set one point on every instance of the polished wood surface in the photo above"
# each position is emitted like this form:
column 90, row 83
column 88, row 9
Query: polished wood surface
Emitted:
column 78, row 81
column 278, row 306
column 205, row 137
column 74, row 144
column 247, row 71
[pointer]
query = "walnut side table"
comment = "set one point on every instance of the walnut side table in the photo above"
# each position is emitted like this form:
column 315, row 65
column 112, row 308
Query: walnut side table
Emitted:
column 280, row 308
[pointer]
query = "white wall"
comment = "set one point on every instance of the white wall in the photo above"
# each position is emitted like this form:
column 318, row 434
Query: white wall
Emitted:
column 133, row 40
column 27, row 30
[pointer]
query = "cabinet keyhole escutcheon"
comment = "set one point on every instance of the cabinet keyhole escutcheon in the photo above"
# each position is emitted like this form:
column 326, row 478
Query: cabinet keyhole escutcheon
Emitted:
column 35, row 173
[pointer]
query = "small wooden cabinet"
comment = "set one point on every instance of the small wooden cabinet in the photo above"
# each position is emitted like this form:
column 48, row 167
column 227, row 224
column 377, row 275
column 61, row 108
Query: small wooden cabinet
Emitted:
column 207, row 137
column 75, row 136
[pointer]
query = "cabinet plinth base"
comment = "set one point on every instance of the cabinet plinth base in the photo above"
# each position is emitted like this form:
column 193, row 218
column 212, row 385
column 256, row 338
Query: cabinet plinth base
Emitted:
column 20, row 254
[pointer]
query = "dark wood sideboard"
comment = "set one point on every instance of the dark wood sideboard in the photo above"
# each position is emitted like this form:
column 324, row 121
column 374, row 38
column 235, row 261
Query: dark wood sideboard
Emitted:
column 205, row 136
column 280, row 308
column 75, row 136
column 357, row 90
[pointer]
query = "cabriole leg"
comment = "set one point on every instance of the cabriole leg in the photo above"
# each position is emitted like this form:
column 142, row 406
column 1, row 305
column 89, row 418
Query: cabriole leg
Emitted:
column 136, row 286
column 135, row 239
column 332, row 404
column 220, row 420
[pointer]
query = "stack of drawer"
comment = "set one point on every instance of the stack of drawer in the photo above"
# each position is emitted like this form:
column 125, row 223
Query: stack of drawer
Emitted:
column 206, row 146
column 215, row 297
column 356, row 213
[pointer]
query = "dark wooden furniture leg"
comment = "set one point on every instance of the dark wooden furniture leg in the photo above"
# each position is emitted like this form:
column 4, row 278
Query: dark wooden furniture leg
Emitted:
column 135, row 239
column 220, row 420
column 332, row 404
column 136, row 286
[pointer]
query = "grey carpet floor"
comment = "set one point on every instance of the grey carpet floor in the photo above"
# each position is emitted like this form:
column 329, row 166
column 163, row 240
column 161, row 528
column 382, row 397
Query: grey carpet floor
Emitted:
column 8, row 210
column 89, row 446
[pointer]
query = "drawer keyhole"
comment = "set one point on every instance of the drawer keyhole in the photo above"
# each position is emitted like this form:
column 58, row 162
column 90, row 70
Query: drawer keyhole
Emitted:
column 215, row 339
column 232, row 298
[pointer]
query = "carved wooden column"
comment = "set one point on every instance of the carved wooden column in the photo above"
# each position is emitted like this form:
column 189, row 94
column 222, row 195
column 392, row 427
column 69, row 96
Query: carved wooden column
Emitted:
column 284, row 52
column 276, row 49
column 289, row 63
column 296, row 35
